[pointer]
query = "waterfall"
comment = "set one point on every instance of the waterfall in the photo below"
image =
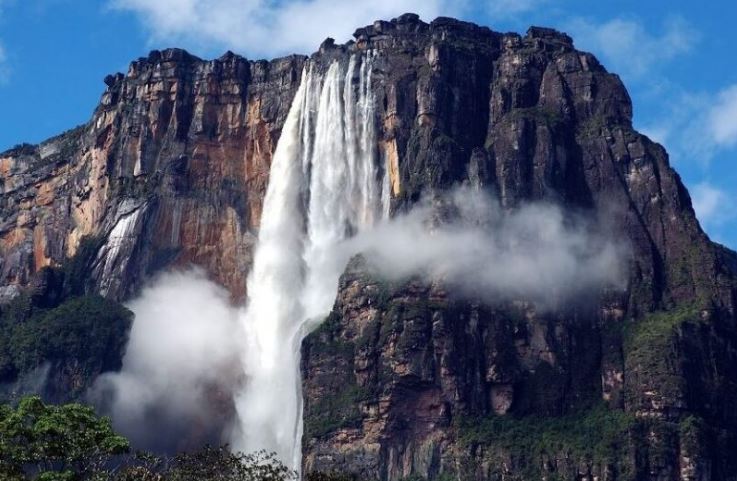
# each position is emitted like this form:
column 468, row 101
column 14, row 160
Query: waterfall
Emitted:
column 323, row 188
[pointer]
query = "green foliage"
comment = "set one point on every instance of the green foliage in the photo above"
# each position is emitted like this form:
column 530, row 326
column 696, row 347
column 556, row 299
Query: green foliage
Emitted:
column 650, row 348
column 57, row 442
column 330, row 476
column 85, row 328
column 20, row 149
column 89, row 331
column 71, row 443
column 593, row 126
column 56, row 322
column 692, row 433
column 597, row 434
column 657, row 327
column 541, row 115
column 326, row 339
column 220, row 464
column 208, row 464
column 334, row 412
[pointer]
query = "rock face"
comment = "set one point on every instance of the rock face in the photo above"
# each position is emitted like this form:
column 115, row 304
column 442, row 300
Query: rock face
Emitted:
column 170, row 170
column 406, row 379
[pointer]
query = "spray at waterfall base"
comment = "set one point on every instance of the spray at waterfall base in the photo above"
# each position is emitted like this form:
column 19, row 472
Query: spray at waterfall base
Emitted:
column 327, row 200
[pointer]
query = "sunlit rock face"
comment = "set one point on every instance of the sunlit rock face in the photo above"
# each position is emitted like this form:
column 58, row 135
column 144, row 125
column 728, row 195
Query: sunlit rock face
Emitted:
column 173, row 168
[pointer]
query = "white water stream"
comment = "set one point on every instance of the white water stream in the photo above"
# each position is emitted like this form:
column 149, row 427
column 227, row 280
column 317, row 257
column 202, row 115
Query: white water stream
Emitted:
column 324, row 186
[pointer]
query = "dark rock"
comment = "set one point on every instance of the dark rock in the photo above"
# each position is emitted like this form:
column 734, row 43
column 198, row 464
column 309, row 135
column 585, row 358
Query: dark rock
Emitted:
column 327, row 44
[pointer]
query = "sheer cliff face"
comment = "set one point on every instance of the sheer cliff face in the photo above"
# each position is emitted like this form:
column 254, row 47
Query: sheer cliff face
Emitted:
column 171, row 170
column 406, row 379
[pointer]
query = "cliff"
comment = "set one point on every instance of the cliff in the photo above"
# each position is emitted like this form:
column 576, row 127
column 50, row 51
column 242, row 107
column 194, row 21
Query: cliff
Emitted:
column 170, row 170
column 407, row 379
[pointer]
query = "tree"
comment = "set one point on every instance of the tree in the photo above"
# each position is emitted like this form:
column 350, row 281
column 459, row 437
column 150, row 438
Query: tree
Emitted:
column 71, row 443
column 67, row 442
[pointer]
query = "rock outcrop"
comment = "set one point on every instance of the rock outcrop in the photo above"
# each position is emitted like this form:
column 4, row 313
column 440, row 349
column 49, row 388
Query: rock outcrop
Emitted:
column 407, row 379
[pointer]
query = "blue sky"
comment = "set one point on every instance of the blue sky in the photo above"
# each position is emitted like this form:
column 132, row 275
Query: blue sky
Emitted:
column 676, row 58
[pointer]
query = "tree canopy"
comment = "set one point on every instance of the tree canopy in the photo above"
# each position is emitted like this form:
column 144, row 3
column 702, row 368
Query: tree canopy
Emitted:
column 46, row 442
column 51, row 442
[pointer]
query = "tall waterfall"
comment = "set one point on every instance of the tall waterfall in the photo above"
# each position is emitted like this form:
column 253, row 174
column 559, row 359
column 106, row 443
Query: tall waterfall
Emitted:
column 323, row 187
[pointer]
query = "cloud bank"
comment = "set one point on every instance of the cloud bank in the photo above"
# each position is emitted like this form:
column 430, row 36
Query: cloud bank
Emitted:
column 534, row 253
column 696, row 126
column 503, row 9
column 722, row 118
column 4, row 67
column 267, row 28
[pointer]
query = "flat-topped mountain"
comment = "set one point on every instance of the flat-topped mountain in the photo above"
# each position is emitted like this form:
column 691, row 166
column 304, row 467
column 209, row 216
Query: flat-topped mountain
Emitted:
column 404, row 378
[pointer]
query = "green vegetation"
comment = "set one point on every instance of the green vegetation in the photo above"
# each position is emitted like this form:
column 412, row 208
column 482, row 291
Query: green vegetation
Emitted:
column 650, row 349
column 541, row 115
column 598, row 434
column 212, row 464
column 337, row 411
column 656, row 328
column 330, row 476
column 90, row 330
column 57, row 323
column 71, row 443
column 340, row 410
column 327, row 341
column 54, row 442
column 593, row 126
column 692, row 433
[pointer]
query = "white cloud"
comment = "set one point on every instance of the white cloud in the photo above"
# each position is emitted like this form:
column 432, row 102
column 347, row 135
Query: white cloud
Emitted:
column 534, row 252
column 679, row 126
column 4, row 69
column 723, row 118
column 696, row 126
column 712, row 205
column 627, row 47
column 267, row 28
column 510, row 8
column 181, row 358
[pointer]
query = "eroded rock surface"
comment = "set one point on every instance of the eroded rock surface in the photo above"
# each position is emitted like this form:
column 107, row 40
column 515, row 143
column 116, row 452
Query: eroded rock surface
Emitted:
column 170, row 170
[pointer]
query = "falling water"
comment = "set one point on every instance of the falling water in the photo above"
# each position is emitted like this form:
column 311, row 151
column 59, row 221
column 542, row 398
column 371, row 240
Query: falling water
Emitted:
column 323, row 188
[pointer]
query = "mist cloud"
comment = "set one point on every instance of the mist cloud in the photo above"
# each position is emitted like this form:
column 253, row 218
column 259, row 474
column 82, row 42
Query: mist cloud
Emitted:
column 180, row 364
column 535, row 252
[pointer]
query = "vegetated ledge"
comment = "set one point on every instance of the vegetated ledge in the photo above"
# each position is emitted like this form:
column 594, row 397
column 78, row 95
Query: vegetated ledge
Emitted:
column 598, row 442
column 57, row 336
